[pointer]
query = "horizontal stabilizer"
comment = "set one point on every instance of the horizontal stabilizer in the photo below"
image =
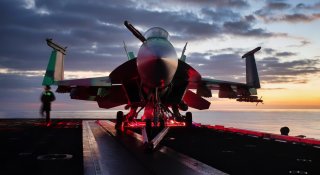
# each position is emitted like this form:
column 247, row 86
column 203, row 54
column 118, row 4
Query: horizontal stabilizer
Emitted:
column 195, row 101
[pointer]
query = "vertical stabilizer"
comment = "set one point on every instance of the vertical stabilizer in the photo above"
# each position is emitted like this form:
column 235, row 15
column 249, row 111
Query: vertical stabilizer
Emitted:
column 55, row 68
column 251, row 69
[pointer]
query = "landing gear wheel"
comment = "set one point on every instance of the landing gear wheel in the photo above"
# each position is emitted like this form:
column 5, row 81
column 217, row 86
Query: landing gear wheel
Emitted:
column 188, row 119
column 148, row 128
column 119, row 120
column 162, row 125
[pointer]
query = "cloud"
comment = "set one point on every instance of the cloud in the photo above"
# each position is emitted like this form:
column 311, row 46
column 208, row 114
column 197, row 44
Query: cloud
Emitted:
column 284, row 12
column 272, row 89
column 268, row 50
column 302, row 6
column 220, row 15
column 94, row 31
column 244, row 27
column 272, row 7
column 291, row 18
column 221, row 66
column 271, row 70
column 298, row 17
column 80, row 24
column 277, row 6
column 301, row 44
column 192, row 3
column 285, row 54
column 277, row 54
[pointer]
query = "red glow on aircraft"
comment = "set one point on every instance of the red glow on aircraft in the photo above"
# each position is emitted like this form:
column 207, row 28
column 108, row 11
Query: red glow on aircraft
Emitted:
column 156, row 81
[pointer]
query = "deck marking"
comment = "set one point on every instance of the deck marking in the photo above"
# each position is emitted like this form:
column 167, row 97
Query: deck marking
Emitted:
column 90, row 156
column 189, row 162
column 194, row 164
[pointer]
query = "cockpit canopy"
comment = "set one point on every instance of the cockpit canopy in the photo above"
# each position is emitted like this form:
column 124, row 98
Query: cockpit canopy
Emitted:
column 156, row 32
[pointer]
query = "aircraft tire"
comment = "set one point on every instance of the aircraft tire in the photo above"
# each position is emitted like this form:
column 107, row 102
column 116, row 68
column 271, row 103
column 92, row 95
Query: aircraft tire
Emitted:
column 162, row 124
column 188, row 119
column 119, row 120
column 148, row 128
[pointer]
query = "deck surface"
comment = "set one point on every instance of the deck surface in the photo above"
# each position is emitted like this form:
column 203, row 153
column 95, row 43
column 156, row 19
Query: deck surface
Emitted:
column 30, row 147
column 244, row 154
column 94, row 147
column 123, row 153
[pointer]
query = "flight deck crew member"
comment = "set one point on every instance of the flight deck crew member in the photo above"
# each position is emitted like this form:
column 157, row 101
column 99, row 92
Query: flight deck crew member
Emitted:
column 46, row 98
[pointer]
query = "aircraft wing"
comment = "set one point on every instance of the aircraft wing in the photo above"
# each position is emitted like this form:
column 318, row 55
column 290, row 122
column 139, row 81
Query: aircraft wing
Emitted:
column 227, row 89
column 98, row 81
column 97, row 89
column 213, row 84
column 108, row 94
column 241, row 91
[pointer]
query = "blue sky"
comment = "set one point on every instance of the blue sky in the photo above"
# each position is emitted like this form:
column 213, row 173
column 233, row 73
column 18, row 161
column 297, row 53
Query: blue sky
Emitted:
column 218, row 33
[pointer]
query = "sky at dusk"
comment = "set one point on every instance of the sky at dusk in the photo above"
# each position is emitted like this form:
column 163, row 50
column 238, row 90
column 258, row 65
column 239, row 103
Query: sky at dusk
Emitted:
column 218, row 34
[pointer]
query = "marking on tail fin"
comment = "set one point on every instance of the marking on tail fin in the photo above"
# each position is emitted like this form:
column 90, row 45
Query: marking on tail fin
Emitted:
column 49, row 76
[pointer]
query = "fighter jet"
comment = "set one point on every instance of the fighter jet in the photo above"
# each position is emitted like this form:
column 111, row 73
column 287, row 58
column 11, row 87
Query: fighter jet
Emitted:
column 156, row 81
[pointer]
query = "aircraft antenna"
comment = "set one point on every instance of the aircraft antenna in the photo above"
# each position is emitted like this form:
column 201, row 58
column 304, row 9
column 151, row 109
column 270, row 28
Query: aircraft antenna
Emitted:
column 183, row 57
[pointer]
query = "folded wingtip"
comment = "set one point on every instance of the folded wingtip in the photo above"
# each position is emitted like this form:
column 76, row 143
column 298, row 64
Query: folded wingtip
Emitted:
column 251, row 52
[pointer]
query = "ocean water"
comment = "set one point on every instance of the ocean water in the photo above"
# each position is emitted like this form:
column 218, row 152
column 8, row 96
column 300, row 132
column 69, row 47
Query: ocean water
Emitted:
column 300, row 122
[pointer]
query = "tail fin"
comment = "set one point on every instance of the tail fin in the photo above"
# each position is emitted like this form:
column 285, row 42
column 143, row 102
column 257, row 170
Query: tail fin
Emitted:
column 251, row 69
column 55, row 68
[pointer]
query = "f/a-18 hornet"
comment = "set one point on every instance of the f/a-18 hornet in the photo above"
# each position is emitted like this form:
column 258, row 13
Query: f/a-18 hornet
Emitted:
column 155, row 80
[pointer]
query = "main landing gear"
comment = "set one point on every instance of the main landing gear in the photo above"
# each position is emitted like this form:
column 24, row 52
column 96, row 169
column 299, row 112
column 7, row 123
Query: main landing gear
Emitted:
column 155, row 127
column 188, row 119
column 119, row 120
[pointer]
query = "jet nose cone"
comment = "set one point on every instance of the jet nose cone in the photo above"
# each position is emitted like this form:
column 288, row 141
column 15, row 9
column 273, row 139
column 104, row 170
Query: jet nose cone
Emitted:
column 157, row 63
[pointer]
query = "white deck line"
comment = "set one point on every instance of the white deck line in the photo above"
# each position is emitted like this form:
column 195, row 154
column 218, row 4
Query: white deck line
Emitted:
column 90, row 155
column 194, row 164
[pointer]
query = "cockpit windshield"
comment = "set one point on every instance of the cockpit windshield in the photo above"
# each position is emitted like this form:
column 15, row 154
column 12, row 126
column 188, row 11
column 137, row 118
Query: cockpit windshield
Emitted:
column 156, row 32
